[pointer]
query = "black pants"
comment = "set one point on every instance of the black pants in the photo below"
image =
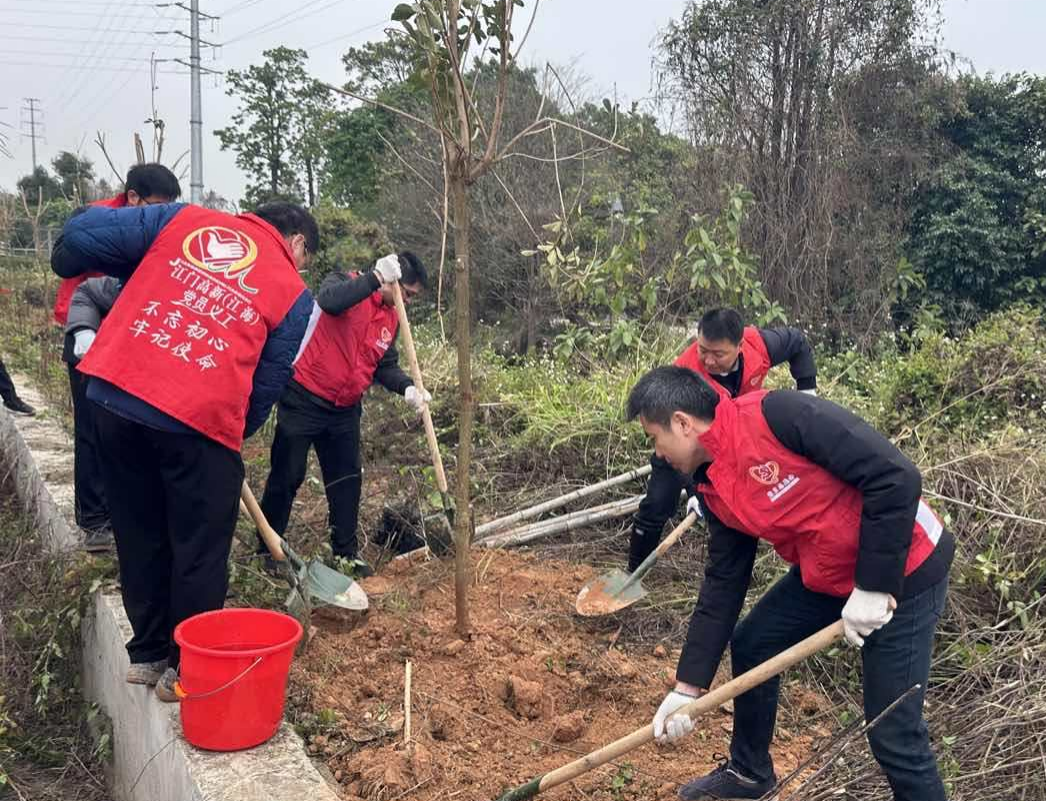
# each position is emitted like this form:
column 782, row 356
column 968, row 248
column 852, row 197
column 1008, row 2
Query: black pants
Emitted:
column 7, row 387
column 335, row 434
column 92, row 510
column 894, row 659
column 661, row 501
column 174, row 500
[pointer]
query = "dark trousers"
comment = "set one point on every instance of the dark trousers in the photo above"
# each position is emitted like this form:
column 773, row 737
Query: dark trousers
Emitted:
column 335, row 434
column 894, row 659
column 7, row 387
column 657, row 506
column 92, row 511
column 174, row 500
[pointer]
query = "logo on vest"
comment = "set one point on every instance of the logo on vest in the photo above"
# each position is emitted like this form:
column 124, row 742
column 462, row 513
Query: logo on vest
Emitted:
column 387, row 336
column 783, row 487
column 754, row 381
column 765, row 474
column 218, row 249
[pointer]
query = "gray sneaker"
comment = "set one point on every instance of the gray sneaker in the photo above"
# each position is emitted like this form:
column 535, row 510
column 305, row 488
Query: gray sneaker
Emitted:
column 165, row 686
column 96, row 540
column 146, row 673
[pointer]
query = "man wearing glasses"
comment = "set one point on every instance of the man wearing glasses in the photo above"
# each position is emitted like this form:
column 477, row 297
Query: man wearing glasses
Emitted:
column 349, row 345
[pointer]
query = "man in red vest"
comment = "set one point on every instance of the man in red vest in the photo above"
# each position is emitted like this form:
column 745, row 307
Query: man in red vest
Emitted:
column 188, row 362
column 842, row 504
column 734, row 359
column 146, row 184
column 349, row 346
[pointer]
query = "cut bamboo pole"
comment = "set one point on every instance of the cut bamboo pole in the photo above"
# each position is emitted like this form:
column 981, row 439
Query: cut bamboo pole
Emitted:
column 559, row 501
column 407, row 703
column 564, row 523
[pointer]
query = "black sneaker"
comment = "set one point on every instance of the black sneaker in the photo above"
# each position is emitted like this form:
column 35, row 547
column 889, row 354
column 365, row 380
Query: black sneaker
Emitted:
column 19, row 407
column 724, row 782
column 352, row 567
column 100, row 539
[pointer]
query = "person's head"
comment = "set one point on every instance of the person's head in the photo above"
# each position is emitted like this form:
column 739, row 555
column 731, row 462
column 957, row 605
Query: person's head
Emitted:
column 297, row 227
column 674, row 405
column 151, row 183
column 413, row 279
column 720, row 339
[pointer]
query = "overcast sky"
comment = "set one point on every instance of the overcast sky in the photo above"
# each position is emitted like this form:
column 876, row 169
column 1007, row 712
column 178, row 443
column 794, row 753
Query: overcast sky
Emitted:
column 87, row 61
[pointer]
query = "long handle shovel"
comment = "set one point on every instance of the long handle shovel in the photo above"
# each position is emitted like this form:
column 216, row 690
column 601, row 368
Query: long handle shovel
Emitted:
column 308, row 582
column 430, row 432
column 616, row 589
column 717, row 696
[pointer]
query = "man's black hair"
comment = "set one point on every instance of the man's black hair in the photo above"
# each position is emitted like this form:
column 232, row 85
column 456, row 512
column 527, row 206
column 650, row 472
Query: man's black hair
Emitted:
column 669, row 389
column 153, row 179
column 290, row 219
column 412, row 271
column 721, row 324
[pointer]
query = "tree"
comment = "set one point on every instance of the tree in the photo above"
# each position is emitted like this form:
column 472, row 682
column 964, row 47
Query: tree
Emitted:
column 39, row 186
column 264, row 129
column 443, row 32
column 313, row 122
column 821, row 108
column 76, row 176
column 976, row 234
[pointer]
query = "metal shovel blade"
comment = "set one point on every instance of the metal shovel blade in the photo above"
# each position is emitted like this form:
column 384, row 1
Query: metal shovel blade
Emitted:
column 333, row 587
column 608, row 594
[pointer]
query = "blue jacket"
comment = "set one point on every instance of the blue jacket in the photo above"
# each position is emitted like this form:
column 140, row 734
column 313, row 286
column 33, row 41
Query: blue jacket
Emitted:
column 114, row 241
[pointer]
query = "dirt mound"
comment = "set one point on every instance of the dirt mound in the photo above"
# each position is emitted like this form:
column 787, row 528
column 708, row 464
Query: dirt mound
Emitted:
column 528, row 690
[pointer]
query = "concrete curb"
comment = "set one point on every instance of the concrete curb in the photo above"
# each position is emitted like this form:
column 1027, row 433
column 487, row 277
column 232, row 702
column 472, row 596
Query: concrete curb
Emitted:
column 151, row 760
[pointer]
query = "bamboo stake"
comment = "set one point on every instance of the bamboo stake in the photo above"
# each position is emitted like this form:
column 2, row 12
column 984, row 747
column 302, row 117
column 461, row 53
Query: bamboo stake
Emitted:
column 407, row 703
column 565, row 523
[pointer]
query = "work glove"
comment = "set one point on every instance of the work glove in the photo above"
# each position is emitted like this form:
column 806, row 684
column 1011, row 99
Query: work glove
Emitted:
column 82, row 340
column 810, row 391
column 417, row 399
column 669, row 728
column 694, row 506
column 388, row 269
column 865, row 612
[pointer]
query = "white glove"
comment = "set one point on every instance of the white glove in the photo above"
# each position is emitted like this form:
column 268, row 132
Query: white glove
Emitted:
column 82, row 340
column 810, row 391
column 388, row 269
column 865, row 612
column 694, row 506
column 669, row 728
column 416, row 399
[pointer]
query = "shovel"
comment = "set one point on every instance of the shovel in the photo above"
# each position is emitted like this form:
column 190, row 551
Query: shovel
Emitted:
column 308, row 582
column 616, row 589
column 703, row 704
column 427, row 418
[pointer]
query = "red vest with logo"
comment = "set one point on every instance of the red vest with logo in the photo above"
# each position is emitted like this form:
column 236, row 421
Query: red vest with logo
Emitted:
column 68, row 286
column 755, row 363
column 342, row 353
column 188, row 329
column 762, row 489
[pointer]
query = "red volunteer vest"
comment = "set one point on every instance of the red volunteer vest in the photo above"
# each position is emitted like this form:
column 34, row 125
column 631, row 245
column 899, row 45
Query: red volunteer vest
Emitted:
column 339, row 359
column 812, row 519
column 187, row 331
column 68, row 286
column 755, row 363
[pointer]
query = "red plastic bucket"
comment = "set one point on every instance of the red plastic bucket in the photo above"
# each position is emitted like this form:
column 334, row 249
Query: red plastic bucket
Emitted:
column 233, row 676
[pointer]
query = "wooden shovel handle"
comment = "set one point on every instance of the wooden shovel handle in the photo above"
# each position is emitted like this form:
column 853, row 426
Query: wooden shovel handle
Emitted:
column 416, row 374
column 269, row 535
column 737, row 686
column 683, row 526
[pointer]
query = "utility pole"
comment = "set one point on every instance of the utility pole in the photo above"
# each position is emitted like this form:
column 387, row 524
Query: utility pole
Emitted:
column 32, row 107
column 196, row 116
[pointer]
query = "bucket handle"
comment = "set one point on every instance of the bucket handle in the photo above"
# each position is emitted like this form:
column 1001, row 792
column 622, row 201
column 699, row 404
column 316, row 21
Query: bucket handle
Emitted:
column 183, row 694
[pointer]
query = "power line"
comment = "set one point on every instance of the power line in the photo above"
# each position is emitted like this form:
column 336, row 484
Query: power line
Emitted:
column 273, row 23
column 343, row 36
column 44, row 65
column 240, row 7
column 108, row 38
column 4, row 26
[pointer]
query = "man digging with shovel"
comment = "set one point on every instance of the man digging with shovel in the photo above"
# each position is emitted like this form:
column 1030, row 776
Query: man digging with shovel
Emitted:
column 842, row 504
column 350, row 344
column 734, row 360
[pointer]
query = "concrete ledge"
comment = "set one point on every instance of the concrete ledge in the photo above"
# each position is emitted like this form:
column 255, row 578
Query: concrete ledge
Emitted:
column 39, row 453
column 151, row 760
